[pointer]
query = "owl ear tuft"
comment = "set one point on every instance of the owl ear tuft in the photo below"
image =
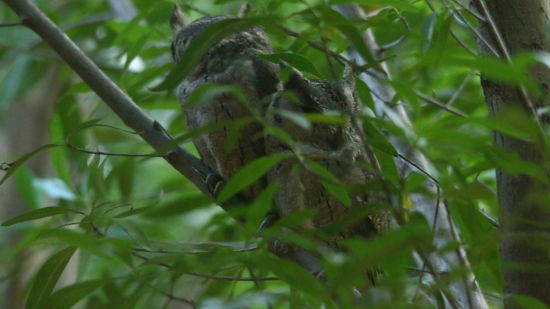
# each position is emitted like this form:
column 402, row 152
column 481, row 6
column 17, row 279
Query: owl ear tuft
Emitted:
column 178, row 20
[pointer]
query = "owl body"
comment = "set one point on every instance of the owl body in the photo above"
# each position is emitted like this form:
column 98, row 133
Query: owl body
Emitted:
column 337, row 148
column 232, row 62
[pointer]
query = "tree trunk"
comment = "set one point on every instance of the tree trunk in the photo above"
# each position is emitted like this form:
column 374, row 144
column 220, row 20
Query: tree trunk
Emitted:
column 524, row 215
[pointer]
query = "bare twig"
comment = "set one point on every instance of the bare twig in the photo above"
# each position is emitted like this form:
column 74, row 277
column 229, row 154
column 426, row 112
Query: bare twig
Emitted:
column 456, row 94
column 469, row 10
column 440, row 104
column 15, row 24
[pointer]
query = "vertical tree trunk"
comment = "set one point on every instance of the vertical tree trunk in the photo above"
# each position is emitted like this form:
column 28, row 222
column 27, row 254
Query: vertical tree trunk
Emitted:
column 524, row 209
column 26, row 129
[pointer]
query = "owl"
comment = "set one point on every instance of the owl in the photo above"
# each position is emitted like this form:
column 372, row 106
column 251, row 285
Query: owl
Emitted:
column 233, row 61
column 338, row 148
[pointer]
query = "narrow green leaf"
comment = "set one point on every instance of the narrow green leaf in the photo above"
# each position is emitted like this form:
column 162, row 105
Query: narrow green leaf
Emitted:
column 295, row 275
column 299, row 62
column 126, row 174
column 17, row 163
column 208, row 92
column 338, row 191
column 47, row 277
column 59, row 155
column 376, row 139
column 398, row 4
column 38, row 214
column 248, row 175
column 260, row 207
column 135, row 211
column 202, row 43
column 68, row 296
column 355, row 37
column 330, row 182
column 24, row 182
column 529, row 302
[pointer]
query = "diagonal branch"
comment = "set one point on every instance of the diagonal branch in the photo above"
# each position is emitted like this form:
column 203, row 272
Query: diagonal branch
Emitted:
column 150, row 130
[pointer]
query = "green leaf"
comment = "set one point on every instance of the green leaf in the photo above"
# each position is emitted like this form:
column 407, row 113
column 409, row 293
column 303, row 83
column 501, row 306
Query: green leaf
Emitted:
column 208, row 92
column 68, row 296
column 398, row 4
column 202, row 43
column 38, row 214
column 17, row 163
column 299, row 62
column 330, row 182
column 376, row 139
column 47, row 277
column 356, row 39
column 529, row 302
column 59, row 155
column 260, row 207
column 16, row 78
column 248, row 175
column 135, row 211
column 295, row 275
column 126, row 174
column 24, row 181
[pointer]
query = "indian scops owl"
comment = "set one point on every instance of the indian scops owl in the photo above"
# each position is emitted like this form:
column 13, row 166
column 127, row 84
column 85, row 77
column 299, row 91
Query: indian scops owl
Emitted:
column 337, row 148
column 232, row 61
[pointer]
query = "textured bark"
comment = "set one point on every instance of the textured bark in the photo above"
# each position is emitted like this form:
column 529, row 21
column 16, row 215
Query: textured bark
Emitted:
column 231, row 62
column 524, row 215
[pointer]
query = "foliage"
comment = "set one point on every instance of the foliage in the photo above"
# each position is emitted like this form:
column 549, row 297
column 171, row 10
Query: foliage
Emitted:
column 147, row 238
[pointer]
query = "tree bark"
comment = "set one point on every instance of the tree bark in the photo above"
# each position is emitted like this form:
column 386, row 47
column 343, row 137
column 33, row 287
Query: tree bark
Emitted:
column 515, row 26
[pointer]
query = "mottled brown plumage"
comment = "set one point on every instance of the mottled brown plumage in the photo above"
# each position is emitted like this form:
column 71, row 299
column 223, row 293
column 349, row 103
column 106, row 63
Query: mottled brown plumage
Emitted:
column 233, row 61
column 337, row 148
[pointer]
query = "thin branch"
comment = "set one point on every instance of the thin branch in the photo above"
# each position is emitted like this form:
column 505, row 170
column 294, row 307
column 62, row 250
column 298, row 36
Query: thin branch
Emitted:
column 456, row 94
column 113, row 154
column 469, row 10
column 459, row 17
column 151, row 131
column 453, row 34
column 440, row 104
column 14, row 24
column 494, row 222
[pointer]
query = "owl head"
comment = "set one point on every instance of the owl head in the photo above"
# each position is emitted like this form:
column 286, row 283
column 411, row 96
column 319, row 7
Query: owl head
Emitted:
column 317, row 95
column 247, row 43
